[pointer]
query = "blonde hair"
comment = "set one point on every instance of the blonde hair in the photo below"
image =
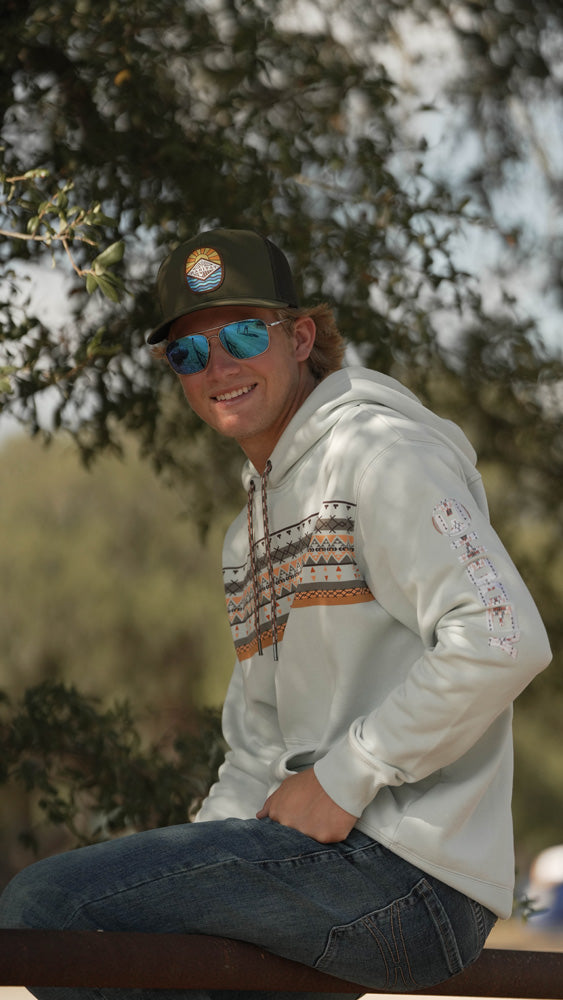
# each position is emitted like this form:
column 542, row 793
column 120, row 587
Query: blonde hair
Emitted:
column 158, row 351
column 328, row 350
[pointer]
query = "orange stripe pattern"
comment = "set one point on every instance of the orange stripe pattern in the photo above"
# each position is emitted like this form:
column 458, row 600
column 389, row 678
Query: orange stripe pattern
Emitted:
column 313, row 564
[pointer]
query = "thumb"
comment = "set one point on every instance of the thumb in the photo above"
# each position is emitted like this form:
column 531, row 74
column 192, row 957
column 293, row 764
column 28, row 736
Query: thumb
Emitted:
column 265, row 810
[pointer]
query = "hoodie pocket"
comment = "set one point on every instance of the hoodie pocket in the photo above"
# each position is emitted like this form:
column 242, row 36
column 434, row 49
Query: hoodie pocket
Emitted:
column 294, row 761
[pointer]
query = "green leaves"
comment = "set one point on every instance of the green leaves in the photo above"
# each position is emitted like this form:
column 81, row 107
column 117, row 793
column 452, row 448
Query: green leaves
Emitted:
column 100, row 275
column 88, row 770
column 40, row 201
column 111, row 255
column 122, row 131
column 6, row 371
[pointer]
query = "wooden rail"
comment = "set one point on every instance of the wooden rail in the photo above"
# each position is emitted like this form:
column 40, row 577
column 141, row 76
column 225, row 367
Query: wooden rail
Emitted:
column 36, row 958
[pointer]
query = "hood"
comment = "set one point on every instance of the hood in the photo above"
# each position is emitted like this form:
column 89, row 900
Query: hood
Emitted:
column 354, row 385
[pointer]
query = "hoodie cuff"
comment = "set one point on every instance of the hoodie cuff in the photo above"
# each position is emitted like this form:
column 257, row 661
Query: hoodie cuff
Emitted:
column 349, row 780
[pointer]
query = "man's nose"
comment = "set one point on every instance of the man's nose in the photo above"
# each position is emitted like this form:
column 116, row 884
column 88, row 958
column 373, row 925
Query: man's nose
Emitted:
column 219, row 357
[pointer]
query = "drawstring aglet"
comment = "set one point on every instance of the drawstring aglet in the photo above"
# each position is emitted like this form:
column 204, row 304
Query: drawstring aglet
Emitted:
column 275, row 648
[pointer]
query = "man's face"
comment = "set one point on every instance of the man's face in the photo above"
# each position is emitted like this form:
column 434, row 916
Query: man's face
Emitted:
column 250, row 400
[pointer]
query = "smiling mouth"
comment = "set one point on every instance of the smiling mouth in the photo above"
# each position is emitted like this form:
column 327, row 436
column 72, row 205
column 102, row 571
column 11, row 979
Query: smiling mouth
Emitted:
column 224, row 396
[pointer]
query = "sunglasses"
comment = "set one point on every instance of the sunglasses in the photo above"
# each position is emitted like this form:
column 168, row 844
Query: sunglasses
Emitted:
column 244, row 339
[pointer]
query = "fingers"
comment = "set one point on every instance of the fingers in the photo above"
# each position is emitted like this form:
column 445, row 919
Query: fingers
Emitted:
column 302, row 804
column 264, row 812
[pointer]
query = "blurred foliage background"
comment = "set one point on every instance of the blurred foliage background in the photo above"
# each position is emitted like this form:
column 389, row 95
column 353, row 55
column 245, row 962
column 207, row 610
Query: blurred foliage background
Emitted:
column 409, row 159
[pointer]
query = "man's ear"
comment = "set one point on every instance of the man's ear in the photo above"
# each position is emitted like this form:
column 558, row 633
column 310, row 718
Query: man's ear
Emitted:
column 304, row 332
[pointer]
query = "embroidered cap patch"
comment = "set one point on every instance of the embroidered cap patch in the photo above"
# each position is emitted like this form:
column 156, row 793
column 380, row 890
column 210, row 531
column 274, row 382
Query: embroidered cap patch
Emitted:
column 204, row 270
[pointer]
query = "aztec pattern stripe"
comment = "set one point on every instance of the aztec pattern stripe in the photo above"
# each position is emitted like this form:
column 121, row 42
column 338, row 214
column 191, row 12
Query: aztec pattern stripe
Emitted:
column 313, row 564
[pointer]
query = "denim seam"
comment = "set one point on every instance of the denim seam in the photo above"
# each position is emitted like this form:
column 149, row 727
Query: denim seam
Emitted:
column 442, row 924
column 479, row 916
column 314, row 857
column 396, row 915
column 153, row 880
column 383, row 948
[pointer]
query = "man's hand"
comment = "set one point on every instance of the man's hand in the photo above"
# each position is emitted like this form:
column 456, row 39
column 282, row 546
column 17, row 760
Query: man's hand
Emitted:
column 302, row 803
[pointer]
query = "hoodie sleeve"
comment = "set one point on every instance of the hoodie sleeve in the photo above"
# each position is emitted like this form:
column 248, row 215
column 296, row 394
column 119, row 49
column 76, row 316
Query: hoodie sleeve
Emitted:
column 433, row 562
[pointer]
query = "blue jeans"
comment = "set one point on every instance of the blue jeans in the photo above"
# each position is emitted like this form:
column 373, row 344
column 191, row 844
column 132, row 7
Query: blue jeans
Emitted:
column 352, row 909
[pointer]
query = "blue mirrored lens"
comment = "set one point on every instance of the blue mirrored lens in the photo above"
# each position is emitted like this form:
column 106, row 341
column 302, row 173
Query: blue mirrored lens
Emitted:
column 188, row 355
column 245, row 339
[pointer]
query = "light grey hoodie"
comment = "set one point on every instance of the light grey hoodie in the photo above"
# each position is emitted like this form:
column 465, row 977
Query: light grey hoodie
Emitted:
column 404, row 634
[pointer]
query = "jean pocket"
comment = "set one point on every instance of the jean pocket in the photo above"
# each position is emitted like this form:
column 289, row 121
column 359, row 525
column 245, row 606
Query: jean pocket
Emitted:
column 407, row 945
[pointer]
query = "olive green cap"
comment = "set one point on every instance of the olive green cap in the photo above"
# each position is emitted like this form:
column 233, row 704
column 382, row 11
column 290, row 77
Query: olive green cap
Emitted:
column 222, row 267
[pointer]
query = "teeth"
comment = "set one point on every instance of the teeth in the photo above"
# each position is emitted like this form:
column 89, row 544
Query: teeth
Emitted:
column 233, row 395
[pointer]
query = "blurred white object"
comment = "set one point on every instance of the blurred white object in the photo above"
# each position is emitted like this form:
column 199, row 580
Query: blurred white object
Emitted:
column 545, row 888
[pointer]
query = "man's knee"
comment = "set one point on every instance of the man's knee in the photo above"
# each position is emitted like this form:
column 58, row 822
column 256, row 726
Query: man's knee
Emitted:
column 34, row 899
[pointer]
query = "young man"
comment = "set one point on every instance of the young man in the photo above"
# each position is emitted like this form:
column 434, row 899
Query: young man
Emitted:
column 361, row 820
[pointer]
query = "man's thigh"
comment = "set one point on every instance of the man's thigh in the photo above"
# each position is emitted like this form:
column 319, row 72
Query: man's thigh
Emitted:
column 233, row 878
column 352, row 909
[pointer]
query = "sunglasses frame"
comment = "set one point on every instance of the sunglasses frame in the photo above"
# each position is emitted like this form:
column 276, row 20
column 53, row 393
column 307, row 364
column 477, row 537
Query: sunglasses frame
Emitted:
column 217, row 336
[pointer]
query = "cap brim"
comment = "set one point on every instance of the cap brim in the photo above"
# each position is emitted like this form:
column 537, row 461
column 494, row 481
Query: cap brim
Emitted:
column 160, row 332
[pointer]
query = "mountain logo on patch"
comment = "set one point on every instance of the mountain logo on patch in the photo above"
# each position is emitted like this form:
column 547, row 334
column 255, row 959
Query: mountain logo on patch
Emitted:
column 204, row 270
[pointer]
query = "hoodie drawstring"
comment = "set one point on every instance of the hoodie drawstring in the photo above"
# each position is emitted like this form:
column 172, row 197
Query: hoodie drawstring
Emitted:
column 271, row 579
column 253, row 564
